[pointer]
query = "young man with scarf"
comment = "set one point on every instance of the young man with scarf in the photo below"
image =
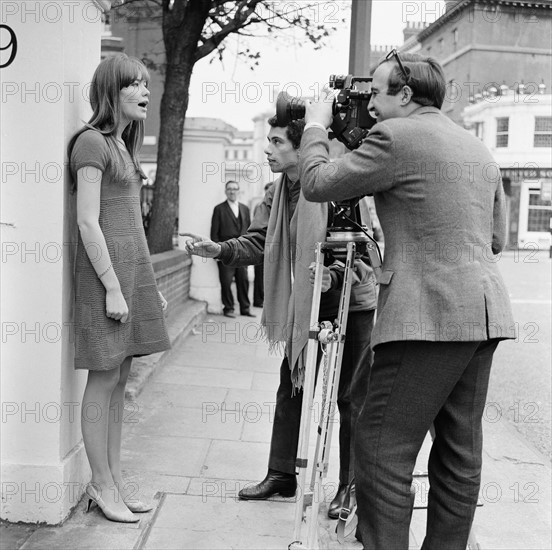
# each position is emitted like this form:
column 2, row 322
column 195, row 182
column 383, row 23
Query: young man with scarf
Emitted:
column 283, row 235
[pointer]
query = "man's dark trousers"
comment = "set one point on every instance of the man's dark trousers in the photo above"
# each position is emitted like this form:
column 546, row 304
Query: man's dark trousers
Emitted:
column 226, row 275
column 258, row 286
column 353, row 384
column 412, row 385
column 224, row 226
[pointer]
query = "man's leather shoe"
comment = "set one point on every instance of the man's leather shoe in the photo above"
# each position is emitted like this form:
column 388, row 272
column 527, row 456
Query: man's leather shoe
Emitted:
column 230, row 314
column 337, row 502
column 248, row 314
column 274, row 483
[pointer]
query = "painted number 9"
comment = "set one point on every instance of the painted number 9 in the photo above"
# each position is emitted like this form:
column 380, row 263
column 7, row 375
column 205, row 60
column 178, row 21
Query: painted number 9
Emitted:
column 11, row 44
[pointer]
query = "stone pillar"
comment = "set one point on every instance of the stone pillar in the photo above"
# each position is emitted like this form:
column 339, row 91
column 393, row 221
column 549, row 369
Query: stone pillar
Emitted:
column 202, row 179
column 44, row 91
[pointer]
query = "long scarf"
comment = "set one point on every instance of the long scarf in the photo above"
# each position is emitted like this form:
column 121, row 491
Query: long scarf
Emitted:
column 289, row 250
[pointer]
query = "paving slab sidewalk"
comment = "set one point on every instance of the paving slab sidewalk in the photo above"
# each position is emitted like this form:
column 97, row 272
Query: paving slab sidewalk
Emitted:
column 199, row 430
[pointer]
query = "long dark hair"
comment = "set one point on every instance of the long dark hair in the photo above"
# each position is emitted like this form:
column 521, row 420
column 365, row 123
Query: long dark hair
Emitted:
column 112, row 75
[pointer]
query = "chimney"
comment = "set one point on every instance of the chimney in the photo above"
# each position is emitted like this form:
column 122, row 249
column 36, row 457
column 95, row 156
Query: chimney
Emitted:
column 410, row 30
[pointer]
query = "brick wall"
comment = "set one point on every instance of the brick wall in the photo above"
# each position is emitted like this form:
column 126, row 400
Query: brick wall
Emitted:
column 172, row 273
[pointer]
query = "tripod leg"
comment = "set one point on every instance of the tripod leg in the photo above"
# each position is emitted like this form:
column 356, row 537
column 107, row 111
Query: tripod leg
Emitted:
column 321, row 462
column 308, row 396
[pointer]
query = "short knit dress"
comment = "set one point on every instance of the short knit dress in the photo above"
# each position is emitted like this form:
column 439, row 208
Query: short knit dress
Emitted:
column 103, row 343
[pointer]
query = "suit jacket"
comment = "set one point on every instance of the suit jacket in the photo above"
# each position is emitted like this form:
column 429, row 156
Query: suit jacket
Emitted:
column 440, row 201
column 224, row 225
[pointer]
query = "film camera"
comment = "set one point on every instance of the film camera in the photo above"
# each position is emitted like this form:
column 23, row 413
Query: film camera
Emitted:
column 351, row 124
column 351, row 119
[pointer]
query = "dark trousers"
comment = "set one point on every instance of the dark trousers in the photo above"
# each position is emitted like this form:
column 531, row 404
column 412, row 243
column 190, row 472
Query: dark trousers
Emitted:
column 353, row 385
column 412, row 385
column 226, row 276
column 258, row 286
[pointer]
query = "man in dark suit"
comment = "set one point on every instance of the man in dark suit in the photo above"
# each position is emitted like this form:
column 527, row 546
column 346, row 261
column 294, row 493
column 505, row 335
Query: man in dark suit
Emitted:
column 442, row 306
column 231, row 219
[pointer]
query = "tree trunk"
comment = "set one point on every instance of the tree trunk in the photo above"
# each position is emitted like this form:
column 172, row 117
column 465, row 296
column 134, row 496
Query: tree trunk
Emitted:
column 174, row 105
column 183, row 23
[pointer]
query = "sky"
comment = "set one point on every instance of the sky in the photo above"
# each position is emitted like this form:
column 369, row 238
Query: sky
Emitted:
column 233, row 92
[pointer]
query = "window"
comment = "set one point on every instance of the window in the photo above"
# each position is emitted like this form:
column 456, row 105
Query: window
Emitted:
column 479, row 127
column 455, row 38
column 502, row 131
column 539, row 212
column 543, row 131
column 441, row 45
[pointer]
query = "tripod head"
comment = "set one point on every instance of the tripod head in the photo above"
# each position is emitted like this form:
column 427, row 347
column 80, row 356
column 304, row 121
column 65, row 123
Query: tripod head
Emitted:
column 345, row 225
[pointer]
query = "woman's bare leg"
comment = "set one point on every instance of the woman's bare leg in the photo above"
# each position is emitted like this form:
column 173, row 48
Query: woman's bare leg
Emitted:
column 116, row 418
column 95, row 428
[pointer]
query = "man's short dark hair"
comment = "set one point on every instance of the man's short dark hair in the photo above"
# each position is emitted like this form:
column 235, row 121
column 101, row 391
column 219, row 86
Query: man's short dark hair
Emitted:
column 294, row 130
column 229, row 182
column 425, row 78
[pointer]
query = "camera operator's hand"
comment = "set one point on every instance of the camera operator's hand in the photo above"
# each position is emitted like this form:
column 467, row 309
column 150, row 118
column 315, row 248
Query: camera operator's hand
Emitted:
column 326, row 276
column 200, row 246
column 320, row 112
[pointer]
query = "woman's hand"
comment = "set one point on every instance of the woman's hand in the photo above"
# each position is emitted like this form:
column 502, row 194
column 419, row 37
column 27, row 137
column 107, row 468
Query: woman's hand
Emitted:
column 201, row 246
column 115, row 305
column 164, row 303
column 326, row 276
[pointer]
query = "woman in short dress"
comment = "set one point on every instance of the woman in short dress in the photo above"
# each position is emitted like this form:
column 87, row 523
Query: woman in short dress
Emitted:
column 119, row 311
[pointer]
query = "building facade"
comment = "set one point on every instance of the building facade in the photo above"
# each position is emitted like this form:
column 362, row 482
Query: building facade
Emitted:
column 517, row 128
column 489, row 43
column 497, row 59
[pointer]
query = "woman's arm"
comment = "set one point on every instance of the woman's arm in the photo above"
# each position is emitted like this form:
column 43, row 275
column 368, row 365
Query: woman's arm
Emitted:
column 88, row 213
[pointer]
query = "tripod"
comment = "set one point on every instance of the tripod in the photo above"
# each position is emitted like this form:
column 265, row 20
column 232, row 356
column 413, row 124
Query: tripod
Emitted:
column 332, row 336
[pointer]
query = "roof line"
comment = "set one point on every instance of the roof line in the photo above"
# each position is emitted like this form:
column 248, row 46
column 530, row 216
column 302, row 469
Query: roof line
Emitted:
column 462, row 4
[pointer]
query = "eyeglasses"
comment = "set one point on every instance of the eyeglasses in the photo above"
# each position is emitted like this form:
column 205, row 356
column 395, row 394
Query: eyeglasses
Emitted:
column 395, row 54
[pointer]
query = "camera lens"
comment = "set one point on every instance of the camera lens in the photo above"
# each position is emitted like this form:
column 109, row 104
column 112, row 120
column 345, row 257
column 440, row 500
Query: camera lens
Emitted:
column 296, row 108
column 289, row 108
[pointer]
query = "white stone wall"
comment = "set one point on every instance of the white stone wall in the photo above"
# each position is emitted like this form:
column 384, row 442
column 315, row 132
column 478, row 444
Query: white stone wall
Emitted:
column 202, row 179
column 44, row 467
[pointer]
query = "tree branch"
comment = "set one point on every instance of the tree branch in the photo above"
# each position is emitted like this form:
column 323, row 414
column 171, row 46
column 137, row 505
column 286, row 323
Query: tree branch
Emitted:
column 239, row 20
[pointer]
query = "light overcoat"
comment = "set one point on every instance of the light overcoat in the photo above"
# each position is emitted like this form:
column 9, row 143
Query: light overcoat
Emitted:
column 439, row 197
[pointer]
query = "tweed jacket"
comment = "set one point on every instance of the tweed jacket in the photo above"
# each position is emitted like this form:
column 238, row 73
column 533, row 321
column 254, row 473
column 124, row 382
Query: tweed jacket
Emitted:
column 440, row 201
column 224, row 225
